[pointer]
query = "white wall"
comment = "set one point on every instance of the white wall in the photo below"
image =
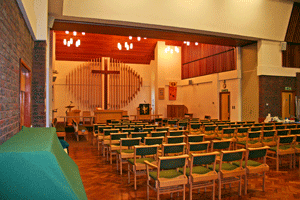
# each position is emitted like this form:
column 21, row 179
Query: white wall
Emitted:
column 265, row 19
column 269, row 58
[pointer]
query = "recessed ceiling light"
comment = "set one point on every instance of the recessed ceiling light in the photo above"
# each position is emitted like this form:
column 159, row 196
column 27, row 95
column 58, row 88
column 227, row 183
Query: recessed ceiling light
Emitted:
column 83, row 33
column 130, row 37
column 67, row 32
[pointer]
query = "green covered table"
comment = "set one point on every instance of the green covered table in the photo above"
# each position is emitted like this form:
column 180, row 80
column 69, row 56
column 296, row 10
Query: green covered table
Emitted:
column 33, row 165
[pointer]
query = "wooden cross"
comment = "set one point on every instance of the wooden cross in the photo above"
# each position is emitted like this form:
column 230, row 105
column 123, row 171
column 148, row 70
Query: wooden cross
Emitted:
column 106, row 72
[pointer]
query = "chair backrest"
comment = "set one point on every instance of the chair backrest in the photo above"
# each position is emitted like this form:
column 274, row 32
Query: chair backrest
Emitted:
column 221, row 127
column 247, row 125
column 256, row 128
column 234, row 155
column 153, row 140
column 268, row 127
column 197, row 146
column 254, row 153
column 121, row 127
column 254, row 135
column 220, row 145
column 162, row 129
column 172, row 122
column 203, row 159
column 175, row 139
column 158, row 133
column 117, row 136
column 145, row 150
column 172, row 162
column 289, row 126
column 151, row 126
column 101, row 128
column 182, row 124
column 284, row 140
column 176, row 133
column 139, row 134
column 277, row 127
column 240, row 122
column 228, row 131
column 195, row 138
column 278, row 123
column 258, row 124
column 109, row 131
column 173, row 148
column 269, row 133
column 242, row 130
column 128, row 130
column 195, row 125
column 295, row 131
column 148, row 129
column 250, row 122
column 269, row 124
column 96, row 127
column 235, row 125
column 129, row 142
column 282, row 132
column 208, row 128
column 298, row 139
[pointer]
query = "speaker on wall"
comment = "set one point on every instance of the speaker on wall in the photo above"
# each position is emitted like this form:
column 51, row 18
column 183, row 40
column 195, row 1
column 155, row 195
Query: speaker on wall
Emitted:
column 283, row 46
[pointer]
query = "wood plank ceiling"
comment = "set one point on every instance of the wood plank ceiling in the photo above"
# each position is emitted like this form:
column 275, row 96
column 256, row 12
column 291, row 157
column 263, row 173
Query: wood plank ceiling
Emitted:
column 102, row 41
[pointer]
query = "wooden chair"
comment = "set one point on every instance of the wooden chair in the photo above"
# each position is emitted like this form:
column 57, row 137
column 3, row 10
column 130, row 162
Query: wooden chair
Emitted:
column 277, row 127
column 175, row 139
column 166, row 176
column 255, row 169
column 220, row 128
column 154, row 141
column 228, row 172
column 282, row 132
column 235, row 125
column 285, row 146
column 268, row 138
column 195, row 128
column 290, row 126
column 158, row 133
column 200, row 176
column 176, row 133
column 136, row 165
column 266, row 128
column 295, row 131
column 148, row 130
column 195, row 138
column 128, row 130
column 220, row 145
column 162, row 129
column 209, row 132
column 141, row 135
column 124, row 154
column 96, row 132
column 255, row 128
column 253, row 140
column 151, row 126
column 114, row 144
column 247, row 125
column 241, row 134
column 197, row 147
column 104, row 137
column 173, row 149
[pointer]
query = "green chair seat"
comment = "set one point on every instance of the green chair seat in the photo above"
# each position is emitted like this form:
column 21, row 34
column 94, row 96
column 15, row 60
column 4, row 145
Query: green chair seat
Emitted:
column 284, row 147
column 268, row 140
column 172, row 173
column 251, row 163
column 196, row 170
column 249, row 142
column 126, row 151
column 225, row 166
column 140, row 160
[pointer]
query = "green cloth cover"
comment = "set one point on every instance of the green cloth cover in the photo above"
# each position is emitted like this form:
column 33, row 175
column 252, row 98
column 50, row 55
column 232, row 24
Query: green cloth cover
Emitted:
column 33, row 165
column 171, row 173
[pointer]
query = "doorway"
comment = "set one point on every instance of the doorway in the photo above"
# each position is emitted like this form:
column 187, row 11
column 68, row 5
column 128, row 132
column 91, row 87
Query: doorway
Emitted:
column 288, row 104
column 224, row 106
column 25, row 95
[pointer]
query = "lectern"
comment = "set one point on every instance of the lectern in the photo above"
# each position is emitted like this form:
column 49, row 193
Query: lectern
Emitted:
column 143, row 111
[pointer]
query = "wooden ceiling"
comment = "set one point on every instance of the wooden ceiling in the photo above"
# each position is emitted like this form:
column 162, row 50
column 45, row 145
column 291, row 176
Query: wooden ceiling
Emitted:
column 102, row 41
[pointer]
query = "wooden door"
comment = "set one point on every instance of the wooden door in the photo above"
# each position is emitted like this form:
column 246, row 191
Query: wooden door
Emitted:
column 224, row 106
column 25, row 95
column 288, row 104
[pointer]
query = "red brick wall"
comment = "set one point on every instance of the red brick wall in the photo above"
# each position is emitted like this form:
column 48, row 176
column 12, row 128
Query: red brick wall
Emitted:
column 270, row 88
column 38, row 92
column 15, row 43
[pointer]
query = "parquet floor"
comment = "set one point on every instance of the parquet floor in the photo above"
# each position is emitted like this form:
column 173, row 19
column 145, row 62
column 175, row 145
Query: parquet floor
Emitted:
column 101, row 180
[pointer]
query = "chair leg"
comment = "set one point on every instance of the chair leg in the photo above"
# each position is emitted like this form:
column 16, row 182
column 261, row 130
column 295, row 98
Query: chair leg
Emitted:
column 245, row 183
column 264, row 179
column 191, row 191
column 220, row 184
column 213, row 190
column 121, row 167
column 240, row 186
column 134, row 174
column 183, row 192
column 277, row 162
column 110, row 157
column 157, row 193
column 147, row 188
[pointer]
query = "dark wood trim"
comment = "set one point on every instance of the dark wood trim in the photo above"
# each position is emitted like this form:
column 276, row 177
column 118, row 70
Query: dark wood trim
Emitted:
column 220, row 105
column 27, row 108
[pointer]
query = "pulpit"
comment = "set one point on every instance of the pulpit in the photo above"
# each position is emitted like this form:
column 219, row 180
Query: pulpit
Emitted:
column 144, row 112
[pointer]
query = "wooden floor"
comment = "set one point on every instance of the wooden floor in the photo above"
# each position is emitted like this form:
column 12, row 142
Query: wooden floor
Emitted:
column 101, row 180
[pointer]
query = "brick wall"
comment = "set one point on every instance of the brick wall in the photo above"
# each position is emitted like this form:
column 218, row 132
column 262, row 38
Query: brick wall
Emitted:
column 270, row 88
column 38, row 92
column 15, row 43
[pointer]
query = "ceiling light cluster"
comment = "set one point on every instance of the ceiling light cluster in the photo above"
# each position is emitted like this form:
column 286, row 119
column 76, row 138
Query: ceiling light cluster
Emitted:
column 127, row 45
column 188, row 43
column 69, row 42
column 171, row 50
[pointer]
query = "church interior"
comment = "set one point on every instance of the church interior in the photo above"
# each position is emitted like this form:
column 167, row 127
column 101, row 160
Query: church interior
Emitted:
column 150, row 99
